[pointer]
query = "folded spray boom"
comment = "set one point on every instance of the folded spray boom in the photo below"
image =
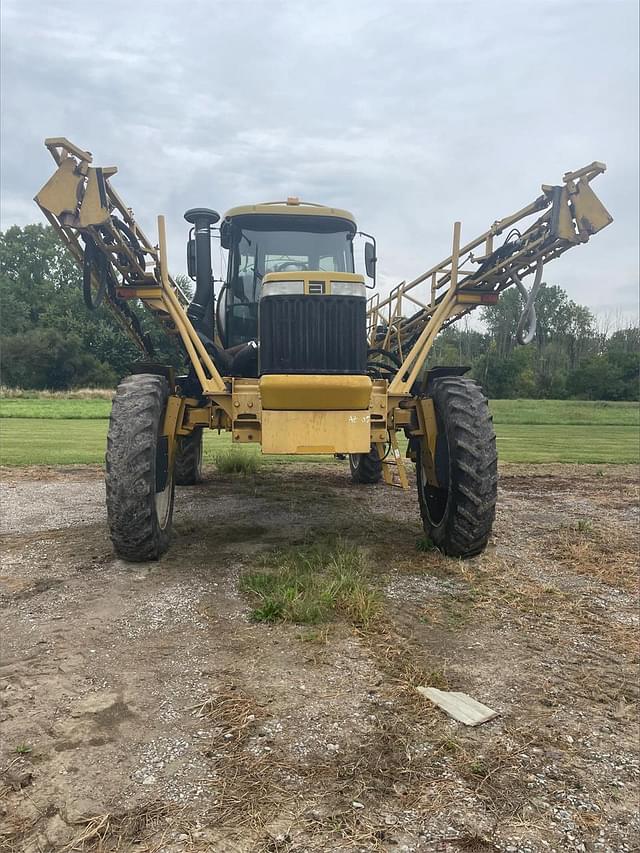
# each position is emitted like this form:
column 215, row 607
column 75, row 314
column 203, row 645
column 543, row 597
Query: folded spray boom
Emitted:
column 567, row 215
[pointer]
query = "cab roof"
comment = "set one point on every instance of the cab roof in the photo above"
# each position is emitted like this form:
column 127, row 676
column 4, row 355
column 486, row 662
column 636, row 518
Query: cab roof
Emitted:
column 291, row 207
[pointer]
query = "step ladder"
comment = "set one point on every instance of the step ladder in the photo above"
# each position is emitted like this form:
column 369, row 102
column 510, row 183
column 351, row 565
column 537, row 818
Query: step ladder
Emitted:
column 394, row 470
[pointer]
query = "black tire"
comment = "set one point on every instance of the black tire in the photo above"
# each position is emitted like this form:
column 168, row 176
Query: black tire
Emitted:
column 458, row 516
column 140, row 489
column 188, row 465
column 94, row 263
column 365, row 467
column 128, row 237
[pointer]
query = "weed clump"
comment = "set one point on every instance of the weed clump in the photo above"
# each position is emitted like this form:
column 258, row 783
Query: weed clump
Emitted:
column 310, row 584
column 426, row 545
column 237, row 461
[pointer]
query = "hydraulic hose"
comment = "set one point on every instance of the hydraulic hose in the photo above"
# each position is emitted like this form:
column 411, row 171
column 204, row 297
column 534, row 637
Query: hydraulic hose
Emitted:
column 526, row 330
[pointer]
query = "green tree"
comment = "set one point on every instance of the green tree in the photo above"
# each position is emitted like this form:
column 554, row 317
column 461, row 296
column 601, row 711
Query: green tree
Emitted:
column 504, row 377
column 47, row 358
column 608, row 376
column 565, row 337
column 624, row 340
column 501, row 321
column 41, row 293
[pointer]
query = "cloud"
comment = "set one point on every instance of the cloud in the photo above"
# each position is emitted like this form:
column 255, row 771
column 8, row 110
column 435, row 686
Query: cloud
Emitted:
column 411, row 114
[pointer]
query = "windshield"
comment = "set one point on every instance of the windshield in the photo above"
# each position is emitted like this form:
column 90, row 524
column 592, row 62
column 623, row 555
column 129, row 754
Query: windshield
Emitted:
column 277, row 243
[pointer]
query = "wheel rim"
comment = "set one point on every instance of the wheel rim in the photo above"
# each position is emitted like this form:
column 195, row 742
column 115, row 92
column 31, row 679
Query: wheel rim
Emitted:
column 163, row 503
column 199, row 458
column 163, row 476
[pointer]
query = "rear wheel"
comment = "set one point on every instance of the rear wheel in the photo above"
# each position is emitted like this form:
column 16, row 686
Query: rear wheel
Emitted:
column 458, row 513
column 365, row 467
column 188, row 465
column 140, row 486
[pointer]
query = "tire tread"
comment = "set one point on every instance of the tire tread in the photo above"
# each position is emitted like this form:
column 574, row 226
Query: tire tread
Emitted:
column 136, row 411
column 464, row 414
column 366, row 468
column 188, row 464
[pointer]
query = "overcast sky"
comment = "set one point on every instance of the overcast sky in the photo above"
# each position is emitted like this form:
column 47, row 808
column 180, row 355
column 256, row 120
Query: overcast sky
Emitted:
column 409, row 114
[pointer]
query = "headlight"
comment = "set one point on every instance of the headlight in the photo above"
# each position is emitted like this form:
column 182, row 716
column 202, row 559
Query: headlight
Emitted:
column 347, row 288
column 282, row 288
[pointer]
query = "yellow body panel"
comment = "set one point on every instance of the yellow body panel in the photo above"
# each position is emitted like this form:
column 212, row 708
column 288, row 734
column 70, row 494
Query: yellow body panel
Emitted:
column 60, row 194
column 281, row 392
column 297, row 208
column 307, row 277
column 316, row 432
column 94, row 209
column 591, row 214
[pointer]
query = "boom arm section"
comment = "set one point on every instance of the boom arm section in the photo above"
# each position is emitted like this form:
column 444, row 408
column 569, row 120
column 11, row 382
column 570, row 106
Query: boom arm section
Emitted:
column 569, row 215
column 118, row 261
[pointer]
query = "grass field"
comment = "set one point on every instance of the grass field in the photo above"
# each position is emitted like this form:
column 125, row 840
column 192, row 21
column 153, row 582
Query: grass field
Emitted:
column 559, row 412
column 73, row 431
column 46, row 409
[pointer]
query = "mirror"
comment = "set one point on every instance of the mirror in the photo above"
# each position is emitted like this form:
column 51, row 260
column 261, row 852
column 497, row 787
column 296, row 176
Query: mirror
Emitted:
column 225, row 234
column 370, row 259
column 191, row 258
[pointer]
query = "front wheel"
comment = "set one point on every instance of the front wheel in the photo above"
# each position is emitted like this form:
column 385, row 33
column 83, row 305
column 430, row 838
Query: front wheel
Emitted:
column 458, row 512
column 365, row 467
column 140, row 486
column 188, row 464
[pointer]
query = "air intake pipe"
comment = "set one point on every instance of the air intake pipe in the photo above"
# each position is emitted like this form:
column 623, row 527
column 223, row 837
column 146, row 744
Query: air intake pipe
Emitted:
column 200, row 311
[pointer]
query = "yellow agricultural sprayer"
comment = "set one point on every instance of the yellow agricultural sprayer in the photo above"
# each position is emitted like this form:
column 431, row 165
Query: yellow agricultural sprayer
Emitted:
column 291, row 354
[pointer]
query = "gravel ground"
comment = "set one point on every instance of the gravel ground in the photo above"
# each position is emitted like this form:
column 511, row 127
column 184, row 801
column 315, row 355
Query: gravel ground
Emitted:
column 142, row 710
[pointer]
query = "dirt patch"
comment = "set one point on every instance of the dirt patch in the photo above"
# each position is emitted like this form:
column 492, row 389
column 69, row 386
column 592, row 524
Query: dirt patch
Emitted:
column 142, row 710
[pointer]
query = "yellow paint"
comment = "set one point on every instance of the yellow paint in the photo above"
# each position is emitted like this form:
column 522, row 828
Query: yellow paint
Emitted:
column 211, row 381
column 429, row 429
column 92, row 211
column 324, row 432
column 299, row 208
column 174, row 413
column 565, row 227
column 590, row 213
column 60, row 194
column 307, row 277
column 470, row 298
column 306, row 393
column 55, row 142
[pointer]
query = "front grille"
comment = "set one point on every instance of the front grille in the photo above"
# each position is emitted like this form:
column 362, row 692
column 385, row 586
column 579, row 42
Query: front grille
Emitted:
column 313, row 334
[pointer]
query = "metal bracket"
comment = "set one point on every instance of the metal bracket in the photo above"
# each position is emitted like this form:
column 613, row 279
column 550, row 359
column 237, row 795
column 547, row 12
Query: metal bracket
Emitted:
column 428, row 437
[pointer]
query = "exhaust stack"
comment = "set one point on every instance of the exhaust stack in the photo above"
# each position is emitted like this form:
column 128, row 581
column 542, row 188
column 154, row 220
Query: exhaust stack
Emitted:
column 200, row 311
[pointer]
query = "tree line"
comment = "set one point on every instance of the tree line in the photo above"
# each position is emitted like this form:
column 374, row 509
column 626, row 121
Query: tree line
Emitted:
column 571, row 356
column 50, row 340
column 48, row 337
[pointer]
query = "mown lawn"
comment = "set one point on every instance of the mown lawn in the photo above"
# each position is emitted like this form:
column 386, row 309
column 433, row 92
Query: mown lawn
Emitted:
column 560, row 412
column 63, row 441
column 564, row 412
column 23, row 407
column 61, row 432
column 562, row 443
